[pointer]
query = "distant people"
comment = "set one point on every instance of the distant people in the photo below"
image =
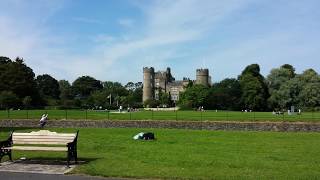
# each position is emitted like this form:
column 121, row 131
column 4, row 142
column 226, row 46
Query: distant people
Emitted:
column 289, row 112
column 299, row 111
column 120, row 108
column 43, row 120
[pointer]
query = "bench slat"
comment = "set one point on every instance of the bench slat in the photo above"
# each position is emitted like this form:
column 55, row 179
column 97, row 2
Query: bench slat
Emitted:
column 44, row 139
column 18, row 138
column 49, row 143
column 30, row 134
column 35, row 148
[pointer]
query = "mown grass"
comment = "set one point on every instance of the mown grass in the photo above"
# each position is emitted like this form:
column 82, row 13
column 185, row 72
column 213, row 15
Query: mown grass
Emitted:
column 159, row 115
column 193, row 154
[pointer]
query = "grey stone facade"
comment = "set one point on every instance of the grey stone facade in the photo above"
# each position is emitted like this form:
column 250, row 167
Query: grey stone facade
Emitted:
column 155, row 82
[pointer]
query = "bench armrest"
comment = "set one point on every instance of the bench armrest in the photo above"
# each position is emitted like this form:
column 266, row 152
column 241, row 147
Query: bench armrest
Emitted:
column 7, row 143
column 73, row 144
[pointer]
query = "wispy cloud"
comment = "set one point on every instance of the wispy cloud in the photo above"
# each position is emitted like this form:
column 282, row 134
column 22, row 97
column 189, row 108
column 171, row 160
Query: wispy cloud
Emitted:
column 126, row 22
column 223, row 35
column 87, row 20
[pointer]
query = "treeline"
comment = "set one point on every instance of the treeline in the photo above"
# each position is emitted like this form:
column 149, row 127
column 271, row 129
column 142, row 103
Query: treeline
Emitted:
column 280, row 90
column 20, row 89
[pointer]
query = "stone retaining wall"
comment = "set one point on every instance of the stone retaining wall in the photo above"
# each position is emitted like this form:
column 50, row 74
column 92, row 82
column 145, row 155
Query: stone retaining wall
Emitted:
column 207, row 125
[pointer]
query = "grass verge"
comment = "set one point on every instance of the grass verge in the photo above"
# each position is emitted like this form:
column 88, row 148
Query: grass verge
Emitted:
column 192, row 154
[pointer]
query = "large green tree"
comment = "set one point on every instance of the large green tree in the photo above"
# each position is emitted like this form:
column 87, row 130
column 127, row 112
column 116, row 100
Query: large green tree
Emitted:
column 309, row 96
column 302, row 91
column 83, row 86
column 194, row 97
column 8, row 100
column 66, row 95
column 134, row 97
column 17, row 77
column 277, row 78
column 225, row 95
column 254, row 89
column 48, row 86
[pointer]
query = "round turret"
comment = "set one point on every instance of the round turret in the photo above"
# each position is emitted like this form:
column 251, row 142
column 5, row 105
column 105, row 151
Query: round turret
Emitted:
column 148, row 83
column 202, row 77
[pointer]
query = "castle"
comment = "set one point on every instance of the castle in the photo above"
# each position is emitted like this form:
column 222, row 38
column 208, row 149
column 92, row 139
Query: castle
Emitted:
column 154, row 82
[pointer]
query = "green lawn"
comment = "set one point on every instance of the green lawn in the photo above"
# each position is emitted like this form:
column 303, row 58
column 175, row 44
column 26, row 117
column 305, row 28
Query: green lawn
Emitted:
column 193, row 154
column 154, row 115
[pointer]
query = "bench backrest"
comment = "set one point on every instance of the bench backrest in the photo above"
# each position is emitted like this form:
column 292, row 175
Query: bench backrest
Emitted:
column 43, row 137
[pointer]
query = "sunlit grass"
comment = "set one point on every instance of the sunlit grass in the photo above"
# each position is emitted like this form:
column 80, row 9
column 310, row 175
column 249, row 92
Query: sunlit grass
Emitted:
column 159, row 115
column 193, row 154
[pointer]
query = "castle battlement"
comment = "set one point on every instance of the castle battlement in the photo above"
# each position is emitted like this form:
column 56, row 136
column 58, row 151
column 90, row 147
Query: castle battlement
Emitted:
column 163, row 80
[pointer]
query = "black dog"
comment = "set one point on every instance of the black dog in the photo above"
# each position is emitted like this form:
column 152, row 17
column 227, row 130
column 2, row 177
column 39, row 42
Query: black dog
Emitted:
column 148, row 136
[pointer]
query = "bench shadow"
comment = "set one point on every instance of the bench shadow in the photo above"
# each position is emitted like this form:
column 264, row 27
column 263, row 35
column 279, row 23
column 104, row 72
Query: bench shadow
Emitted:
column 53, row 161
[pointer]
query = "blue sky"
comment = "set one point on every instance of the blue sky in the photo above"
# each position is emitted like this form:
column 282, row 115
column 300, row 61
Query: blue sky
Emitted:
column 113, row 40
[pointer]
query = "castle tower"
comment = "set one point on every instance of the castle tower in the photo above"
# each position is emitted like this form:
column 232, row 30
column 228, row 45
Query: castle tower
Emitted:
column 202, row 77
column 148, row 83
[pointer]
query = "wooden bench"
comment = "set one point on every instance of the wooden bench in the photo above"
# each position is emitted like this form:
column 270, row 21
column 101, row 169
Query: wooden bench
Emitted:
column 42, row 140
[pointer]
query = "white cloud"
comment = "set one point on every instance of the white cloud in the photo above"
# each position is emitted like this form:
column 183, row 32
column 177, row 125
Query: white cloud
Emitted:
column 126, row 22
column 180, row 33
column 87, row 20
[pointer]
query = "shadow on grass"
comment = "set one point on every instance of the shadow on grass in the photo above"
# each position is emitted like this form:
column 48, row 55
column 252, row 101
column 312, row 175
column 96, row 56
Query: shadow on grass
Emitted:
column 53, row 161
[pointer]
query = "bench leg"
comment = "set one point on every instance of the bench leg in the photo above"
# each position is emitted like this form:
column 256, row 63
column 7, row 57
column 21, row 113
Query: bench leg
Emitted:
column 10, row 156
column 76, row 157
column 68, row 159
column 5, row 152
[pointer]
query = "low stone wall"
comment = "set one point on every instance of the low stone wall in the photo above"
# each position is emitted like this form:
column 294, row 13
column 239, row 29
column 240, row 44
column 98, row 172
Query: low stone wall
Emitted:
column 206, row 125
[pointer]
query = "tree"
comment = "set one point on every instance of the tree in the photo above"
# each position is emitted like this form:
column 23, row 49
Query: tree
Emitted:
column 65, row 90
column 309, row 95
column 8, row 100
column 134, row 97
column 84, row 86
column 27, row 102
column 164, row 99
column 117, row 92
column 254, row 89
column 302, row 91
column 48, row 86
column 66, row 96
column 194, row 97
column 277, row 78
column 18, row 78
column 290, row 68
column 130, row 86
column 225, row 95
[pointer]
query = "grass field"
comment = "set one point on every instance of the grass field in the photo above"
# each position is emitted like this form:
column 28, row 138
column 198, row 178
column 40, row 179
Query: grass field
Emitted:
column 192, row 154
column 158, row 115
